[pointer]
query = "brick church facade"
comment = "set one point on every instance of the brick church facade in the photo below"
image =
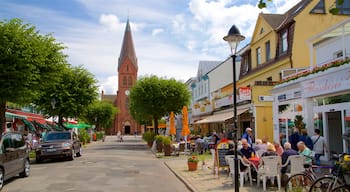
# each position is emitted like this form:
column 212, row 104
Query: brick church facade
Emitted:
column 127, row 77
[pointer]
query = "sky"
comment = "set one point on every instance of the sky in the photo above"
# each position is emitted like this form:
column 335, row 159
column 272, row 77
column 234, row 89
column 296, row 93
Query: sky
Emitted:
column 170, row 36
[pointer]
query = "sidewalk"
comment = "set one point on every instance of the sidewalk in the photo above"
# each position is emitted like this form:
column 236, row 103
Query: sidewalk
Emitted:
column 204, row 179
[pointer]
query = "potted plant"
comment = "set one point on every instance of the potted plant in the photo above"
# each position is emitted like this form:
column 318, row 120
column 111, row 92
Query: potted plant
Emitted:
column 166, row 145
column 159, row 143
column 192, row 163
column 148, row 137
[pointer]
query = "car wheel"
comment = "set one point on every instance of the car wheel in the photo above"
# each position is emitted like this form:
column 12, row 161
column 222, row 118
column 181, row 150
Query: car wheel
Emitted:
column 79, row 152
column 26, row 169
column 1, row 178
column 72, row 153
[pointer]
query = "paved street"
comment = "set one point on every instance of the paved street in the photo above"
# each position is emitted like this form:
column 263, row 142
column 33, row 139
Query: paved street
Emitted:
column 104, row 167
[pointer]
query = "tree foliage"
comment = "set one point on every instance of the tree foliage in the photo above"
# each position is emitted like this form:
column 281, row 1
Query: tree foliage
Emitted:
column 154, row 97
column 70, row 96
column 29, row 63
column 101, row 114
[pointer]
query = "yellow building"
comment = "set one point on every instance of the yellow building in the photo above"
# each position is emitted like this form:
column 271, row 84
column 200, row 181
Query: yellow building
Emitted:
column 278, row 48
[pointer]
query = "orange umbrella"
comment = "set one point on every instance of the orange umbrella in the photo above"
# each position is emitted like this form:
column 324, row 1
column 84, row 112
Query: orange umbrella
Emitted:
column 172, row 130
column 185, row 130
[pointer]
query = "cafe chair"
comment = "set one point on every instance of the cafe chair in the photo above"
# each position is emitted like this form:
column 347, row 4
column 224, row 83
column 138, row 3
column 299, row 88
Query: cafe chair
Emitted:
column 243, row 174
column 269, row 167
column 296, row 163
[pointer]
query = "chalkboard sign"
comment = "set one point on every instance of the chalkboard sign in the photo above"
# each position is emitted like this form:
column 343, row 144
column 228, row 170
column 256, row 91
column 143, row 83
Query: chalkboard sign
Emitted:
column 221, row 151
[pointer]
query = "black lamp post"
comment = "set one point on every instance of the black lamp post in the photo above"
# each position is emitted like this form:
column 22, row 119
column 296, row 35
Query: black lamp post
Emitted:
column 233, row 38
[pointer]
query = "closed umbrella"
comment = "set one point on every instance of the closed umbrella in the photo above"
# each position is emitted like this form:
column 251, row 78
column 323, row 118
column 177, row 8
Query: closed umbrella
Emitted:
column 185, row 130
column 172, row 130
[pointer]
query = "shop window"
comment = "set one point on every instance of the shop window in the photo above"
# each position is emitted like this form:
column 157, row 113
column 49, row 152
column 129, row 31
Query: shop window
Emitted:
column 332, row 100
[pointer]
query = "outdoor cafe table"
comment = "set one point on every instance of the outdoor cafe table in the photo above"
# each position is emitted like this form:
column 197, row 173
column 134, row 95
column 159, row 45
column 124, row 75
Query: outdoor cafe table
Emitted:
column 254, row 161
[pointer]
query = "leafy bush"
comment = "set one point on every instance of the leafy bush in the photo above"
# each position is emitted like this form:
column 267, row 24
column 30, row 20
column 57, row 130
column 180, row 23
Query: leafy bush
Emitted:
column 84, row 136
column 148, row 136
column 100, row 135
column 166, row 140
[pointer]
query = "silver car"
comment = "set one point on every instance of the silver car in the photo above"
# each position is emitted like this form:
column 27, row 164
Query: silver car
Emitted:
column 14, row 158
column 63, row 144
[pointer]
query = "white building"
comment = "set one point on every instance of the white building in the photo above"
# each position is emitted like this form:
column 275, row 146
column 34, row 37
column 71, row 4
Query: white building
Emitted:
column 320, row 93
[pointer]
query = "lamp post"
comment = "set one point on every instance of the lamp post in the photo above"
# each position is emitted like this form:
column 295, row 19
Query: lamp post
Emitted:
column 233, row 38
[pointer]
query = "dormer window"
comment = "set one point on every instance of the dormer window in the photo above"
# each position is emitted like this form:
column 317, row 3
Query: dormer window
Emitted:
column 319, row 8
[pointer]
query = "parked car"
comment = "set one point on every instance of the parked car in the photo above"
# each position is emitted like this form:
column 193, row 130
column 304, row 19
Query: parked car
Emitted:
column 14, row 156
column 63, row 144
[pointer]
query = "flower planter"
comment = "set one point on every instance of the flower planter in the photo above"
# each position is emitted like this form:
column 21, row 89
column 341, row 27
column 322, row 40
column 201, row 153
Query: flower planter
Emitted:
column 167, row 150
column 192, row 166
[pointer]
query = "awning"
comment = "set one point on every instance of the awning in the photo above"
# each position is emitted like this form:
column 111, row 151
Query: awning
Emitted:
column 8, row 114
column 220, row 117
column 78, row 126
column 28, row 124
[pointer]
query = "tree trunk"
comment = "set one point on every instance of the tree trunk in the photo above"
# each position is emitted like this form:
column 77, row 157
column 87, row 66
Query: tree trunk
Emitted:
column 155, row 125
column 2, row 116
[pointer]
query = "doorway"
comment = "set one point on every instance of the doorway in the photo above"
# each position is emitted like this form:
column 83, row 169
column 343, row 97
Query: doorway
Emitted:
column 127, row 130
column 334, row 125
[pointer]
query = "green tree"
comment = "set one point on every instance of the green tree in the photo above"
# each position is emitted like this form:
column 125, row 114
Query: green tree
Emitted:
column 29, row 63
column 75, row 90
column 101, row 114
column 333, row 9
column 299, row 122
column 155, row 97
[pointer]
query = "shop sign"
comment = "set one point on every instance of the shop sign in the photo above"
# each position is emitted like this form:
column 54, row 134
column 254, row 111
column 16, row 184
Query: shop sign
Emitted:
column 245, row 93
column 331, row 83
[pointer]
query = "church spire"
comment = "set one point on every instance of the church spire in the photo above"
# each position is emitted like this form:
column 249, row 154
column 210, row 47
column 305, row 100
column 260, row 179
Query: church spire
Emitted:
column 127, row 50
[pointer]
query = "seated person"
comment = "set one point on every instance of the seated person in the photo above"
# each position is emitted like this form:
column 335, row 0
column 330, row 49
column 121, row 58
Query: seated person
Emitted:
column 303, row 150
column 246, row 150
column 288, row 151
column 270, row 150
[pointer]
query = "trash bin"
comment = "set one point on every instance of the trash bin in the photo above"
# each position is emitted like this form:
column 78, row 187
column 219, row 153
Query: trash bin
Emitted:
column 94, row 137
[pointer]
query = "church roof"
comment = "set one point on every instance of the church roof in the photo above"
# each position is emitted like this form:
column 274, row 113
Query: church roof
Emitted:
column 127, row 50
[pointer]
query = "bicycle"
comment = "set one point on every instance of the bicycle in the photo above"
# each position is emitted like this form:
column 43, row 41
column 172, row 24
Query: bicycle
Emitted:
column 301, row 181
column 333, row 181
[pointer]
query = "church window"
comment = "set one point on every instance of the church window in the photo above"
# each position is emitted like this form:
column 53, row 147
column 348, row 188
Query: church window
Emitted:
column 124, row 81
column 127, row 67
column 129, row 81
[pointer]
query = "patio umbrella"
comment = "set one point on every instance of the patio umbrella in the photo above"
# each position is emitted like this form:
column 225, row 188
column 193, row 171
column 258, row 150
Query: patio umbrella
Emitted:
column 172, row 130
column 185, row 130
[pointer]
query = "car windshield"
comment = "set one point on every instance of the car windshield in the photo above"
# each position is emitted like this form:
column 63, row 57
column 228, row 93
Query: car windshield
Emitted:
column 58, row 136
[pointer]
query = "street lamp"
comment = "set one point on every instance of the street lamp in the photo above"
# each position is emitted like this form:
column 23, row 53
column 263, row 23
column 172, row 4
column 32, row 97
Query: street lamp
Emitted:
column 233, row 38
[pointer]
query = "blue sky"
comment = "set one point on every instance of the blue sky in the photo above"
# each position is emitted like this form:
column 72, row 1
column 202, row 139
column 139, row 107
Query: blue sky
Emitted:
column 170, row 36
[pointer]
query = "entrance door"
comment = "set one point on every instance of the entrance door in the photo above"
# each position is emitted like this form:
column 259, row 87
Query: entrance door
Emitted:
column 127, row 130
column 334, row 125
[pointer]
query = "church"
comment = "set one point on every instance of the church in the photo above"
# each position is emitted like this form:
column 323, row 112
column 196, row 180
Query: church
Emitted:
column 127, row 77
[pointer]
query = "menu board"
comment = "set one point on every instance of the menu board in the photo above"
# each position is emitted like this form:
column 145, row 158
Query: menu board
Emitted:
column 221, row 151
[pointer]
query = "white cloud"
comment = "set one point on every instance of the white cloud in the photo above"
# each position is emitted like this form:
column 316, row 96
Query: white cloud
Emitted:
column 157, row 31
column 109, row 84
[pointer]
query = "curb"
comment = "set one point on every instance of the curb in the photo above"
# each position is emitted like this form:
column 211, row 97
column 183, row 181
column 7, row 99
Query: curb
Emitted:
column 187, row 184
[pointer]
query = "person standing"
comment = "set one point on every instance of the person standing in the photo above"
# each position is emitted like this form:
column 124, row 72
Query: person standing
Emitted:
column 320, row 146
column 304, row 137
column 294, row 139
column 248, row 135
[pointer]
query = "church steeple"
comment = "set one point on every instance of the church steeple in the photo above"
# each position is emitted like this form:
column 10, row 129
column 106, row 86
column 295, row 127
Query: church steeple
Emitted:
column 127, row 50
